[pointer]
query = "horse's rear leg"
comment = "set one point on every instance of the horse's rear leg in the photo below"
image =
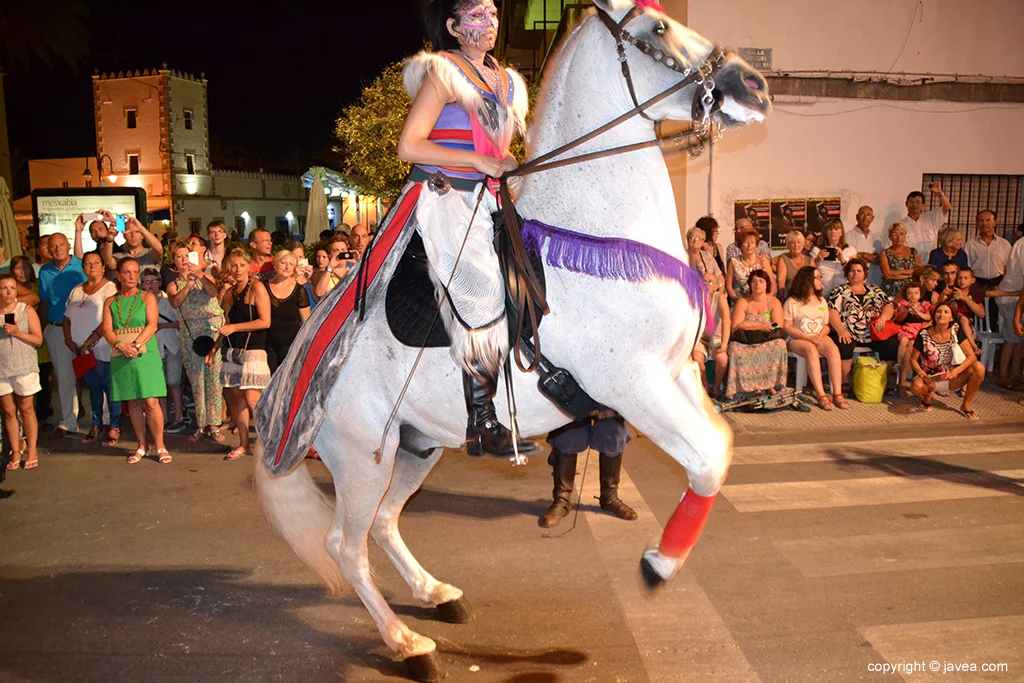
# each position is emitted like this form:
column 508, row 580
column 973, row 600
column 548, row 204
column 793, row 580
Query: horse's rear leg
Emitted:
column 679, row 418
column 360, row 487
column 409, row 473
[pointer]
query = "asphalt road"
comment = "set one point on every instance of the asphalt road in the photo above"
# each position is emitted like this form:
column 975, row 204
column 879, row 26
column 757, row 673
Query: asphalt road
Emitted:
column 821, row 562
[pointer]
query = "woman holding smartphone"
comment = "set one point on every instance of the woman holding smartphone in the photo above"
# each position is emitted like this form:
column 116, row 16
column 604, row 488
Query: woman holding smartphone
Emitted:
column 20, row 337
column 943, row 361
column 194, row 295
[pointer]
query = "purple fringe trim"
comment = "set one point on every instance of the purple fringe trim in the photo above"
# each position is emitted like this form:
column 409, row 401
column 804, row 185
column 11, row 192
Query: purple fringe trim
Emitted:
column 614, row 258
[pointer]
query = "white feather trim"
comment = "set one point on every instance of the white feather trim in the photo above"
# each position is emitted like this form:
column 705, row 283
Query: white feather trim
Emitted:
column 510, row 118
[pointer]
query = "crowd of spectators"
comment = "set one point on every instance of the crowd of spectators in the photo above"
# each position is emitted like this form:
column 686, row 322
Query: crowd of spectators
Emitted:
column 916, row 297
column 181, row 336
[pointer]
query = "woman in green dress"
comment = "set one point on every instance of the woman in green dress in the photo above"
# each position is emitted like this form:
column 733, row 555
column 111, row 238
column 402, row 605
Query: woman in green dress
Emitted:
column 130, row 320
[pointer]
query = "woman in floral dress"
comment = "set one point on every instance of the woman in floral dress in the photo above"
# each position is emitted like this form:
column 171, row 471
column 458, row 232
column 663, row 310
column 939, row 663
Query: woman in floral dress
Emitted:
column 898, row 261
column 195, row 297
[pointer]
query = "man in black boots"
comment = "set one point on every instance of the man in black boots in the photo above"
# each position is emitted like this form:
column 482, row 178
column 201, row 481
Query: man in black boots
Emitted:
column 607, row 434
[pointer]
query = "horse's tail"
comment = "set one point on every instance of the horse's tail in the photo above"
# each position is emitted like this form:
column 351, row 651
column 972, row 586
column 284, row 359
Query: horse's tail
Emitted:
column 302, row 515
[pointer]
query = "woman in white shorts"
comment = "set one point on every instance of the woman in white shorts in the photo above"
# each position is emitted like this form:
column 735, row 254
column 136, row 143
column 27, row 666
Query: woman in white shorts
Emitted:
column 20, row 337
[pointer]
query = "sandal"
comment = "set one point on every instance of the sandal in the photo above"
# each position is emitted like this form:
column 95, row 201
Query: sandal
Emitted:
column 969, row 414
column 93, row 434
column 236, row 454
column 216, row 435
column 926, row 405
column 138, row 455
column 113, row 436
column 32, row 464
column 840, row 402
column 15, row 464
column 162, row 456
column 198, row 435
column 824, row 403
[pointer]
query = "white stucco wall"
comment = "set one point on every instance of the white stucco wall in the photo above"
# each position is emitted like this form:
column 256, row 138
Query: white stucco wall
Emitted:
column 947, row 36
column 864, row 151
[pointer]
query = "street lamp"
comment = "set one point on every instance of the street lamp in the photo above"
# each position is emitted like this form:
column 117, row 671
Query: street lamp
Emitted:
column 87, row 174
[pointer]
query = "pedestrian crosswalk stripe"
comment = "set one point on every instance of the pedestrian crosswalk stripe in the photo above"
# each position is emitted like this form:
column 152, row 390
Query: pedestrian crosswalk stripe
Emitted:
column 906, row 551
column 986, row 640
column 678, row 627
column 892, row 490
column 859, row 450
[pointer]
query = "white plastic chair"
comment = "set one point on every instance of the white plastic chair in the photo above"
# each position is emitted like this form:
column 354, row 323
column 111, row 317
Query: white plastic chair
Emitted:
column 988, row 340
column 801, row 364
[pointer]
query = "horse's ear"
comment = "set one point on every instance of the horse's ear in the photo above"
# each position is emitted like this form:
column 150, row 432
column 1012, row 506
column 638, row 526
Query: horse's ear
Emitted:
column 614, row 6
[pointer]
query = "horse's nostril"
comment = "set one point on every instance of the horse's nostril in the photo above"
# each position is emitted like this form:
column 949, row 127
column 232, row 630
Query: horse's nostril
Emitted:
column 752, row 82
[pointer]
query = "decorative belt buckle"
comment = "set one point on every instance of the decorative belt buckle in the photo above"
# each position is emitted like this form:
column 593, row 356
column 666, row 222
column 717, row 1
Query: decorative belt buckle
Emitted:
column 439, row 183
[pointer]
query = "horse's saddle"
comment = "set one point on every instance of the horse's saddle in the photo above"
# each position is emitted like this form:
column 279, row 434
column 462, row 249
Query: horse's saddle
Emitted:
column 411, row 303
column 412, row 314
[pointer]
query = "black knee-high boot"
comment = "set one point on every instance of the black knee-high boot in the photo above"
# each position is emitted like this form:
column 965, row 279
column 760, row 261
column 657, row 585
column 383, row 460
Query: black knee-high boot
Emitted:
column 611, row 469
column 563, row 468
column 484, row 434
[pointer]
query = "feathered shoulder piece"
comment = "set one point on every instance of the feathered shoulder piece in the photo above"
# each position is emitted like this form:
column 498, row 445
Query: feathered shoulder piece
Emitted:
column 503, row 113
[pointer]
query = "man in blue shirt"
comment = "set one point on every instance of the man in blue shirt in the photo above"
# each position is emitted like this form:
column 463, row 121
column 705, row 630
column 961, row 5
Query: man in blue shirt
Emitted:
column 56, row 280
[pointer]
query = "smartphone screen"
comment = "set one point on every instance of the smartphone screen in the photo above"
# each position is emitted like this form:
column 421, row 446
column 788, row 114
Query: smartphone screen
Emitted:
column 8, row 318
column 121, row 221
column 303, row 262
column 193, row 258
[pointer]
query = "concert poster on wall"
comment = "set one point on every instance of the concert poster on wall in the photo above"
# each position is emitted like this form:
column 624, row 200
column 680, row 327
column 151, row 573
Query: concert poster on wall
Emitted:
column 787, row 215
column 819, row 211
column 759, row 212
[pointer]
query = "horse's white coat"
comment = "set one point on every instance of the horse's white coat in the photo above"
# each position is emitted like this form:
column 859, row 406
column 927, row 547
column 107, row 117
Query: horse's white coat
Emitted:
column 628, row 344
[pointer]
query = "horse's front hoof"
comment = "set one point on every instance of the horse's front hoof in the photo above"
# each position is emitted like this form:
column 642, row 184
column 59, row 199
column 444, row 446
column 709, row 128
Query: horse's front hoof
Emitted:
column 455, row 611
column 650, row 579
column 426, row 668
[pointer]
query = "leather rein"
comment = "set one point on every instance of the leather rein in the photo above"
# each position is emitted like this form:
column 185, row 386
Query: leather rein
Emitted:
column 527, row 294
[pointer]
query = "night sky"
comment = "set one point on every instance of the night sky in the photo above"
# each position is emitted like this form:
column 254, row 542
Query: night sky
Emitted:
column 279, row 73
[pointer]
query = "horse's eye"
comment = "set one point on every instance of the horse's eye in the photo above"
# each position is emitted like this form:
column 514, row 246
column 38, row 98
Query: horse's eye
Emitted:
column 660, row 28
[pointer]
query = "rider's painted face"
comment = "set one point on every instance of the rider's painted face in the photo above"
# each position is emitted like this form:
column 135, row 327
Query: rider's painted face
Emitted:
column 478, row 24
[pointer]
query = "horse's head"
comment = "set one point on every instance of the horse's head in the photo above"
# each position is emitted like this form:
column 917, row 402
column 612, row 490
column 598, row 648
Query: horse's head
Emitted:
column 660, row 52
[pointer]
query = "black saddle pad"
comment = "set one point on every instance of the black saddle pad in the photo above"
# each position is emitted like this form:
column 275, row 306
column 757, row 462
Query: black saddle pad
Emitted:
column 410, row 303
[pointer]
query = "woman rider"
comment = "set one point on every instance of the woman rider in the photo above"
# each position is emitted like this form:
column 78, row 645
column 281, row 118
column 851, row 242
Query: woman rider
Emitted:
column 464, row 112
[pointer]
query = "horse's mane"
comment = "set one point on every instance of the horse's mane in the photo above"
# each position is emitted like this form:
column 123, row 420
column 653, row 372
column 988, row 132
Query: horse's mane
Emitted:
column 561, row 53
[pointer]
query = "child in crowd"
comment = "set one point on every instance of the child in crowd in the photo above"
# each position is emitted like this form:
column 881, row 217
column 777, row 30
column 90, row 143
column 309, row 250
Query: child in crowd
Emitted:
column 169, row 344
column 912, row 314
column 968, row 302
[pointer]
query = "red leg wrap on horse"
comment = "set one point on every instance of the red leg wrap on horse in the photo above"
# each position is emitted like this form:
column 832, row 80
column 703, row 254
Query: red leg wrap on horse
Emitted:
column 683, row 529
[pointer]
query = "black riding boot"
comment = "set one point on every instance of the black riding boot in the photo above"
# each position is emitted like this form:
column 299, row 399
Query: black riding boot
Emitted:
column 484, row 434
column 563, row 468
column 611, row 468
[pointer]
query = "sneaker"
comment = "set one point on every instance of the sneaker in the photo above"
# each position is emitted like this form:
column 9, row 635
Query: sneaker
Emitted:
column 176, row 427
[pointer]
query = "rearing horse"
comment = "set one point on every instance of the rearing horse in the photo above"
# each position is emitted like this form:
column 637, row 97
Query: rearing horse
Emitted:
column 626, row 337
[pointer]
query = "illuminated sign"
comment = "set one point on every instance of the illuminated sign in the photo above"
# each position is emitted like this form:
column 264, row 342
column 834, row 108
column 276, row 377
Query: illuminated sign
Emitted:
column 56, row 210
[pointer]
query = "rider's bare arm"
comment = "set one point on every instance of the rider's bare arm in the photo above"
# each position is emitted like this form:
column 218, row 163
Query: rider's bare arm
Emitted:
column 415, row 148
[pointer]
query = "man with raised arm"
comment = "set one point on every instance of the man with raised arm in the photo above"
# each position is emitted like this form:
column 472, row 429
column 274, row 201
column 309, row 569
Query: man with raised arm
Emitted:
column 923, row 227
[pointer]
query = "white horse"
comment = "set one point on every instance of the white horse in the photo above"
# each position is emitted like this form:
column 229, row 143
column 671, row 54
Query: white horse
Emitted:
column 627, row 343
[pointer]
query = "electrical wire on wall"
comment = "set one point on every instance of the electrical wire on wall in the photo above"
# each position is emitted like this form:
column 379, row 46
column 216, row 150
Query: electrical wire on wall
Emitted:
column 910, row 29
column 994, row 107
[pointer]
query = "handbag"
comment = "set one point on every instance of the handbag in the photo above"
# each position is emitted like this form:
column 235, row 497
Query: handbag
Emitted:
column 83, row 363
column 959, row 357
column 755, row 337
column 890, row 329
column 127, row 335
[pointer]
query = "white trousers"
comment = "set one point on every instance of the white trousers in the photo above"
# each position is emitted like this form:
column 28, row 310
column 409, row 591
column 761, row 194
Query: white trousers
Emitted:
column 466, row 274
column 64, row 373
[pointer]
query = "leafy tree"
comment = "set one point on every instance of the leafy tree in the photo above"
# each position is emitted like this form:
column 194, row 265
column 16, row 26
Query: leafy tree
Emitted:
column 368, row 134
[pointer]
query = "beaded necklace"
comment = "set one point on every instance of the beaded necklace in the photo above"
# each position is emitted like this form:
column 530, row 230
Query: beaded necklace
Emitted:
column 131, row 309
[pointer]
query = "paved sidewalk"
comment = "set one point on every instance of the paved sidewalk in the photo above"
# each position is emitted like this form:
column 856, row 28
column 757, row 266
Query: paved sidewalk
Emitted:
column 993, row 404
